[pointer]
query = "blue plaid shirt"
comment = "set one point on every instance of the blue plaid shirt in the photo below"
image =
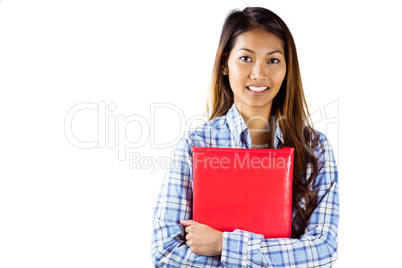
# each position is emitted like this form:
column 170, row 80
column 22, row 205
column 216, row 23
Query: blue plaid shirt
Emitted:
column 317, row 247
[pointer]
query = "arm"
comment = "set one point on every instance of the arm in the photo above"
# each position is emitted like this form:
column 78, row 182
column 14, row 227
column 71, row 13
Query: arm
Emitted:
column 174, row 203
column 316, row 248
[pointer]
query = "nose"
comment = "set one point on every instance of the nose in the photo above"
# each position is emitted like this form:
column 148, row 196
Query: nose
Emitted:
column 259, row 72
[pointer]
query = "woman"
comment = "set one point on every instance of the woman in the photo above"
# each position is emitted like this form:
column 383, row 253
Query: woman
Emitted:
column 257, row 101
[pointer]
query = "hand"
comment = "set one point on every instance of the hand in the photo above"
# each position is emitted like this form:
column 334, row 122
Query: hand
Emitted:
column 202, row 239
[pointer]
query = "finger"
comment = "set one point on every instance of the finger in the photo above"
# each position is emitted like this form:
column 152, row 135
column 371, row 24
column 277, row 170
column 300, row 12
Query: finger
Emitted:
column 187, row 229
column 188, row 237
column 188, row 243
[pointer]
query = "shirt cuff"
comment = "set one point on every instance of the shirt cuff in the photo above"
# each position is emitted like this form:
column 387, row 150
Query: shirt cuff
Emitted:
column 234, row 248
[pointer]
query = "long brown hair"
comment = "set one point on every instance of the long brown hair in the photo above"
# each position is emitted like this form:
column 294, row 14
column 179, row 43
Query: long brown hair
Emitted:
column 289, row 106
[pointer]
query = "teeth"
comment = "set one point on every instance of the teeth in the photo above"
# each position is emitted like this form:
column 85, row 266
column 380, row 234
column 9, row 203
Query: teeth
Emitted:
column 258, row 89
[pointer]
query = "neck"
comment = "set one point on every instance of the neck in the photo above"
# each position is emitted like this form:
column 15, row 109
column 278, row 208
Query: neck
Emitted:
column 255, row 117
column 257, row 120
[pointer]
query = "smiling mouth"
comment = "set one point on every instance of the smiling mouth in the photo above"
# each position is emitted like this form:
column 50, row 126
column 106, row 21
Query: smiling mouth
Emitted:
column 257, row 89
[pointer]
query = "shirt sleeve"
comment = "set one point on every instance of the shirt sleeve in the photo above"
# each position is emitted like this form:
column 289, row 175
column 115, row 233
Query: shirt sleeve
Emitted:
column 174, row 203
column 317, row 247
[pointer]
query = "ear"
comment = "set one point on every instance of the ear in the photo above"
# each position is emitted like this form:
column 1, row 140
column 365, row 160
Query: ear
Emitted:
column 224, row 67
column 224, row 70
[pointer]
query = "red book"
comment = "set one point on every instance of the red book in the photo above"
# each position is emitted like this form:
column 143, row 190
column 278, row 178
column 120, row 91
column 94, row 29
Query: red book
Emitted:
column 247, row 189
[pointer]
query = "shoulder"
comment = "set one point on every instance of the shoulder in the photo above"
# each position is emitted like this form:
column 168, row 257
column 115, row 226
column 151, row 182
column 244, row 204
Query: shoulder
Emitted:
column 321, row 141
column 209, row 134
column 321, row 136
column 215, row 124
column 326, row 160
column 323, row 145
column 204, row 135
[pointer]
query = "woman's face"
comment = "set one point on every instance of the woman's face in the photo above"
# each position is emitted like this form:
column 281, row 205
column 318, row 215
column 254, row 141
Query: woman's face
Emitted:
column 256, row 68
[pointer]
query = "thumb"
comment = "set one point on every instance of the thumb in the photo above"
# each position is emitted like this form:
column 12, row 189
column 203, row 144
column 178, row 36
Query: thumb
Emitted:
column 187, row 222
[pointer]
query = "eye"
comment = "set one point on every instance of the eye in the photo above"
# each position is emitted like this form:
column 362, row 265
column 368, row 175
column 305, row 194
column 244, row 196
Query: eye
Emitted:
column 245, row 58
column 273, row 61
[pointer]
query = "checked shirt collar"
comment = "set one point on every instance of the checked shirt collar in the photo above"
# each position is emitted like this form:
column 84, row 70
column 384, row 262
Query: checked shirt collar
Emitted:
column 240, row 132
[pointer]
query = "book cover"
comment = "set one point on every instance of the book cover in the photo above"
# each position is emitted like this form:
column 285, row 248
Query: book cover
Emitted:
column 247, row 189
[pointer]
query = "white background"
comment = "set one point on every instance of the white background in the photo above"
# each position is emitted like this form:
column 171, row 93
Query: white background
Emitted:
column 65, row 206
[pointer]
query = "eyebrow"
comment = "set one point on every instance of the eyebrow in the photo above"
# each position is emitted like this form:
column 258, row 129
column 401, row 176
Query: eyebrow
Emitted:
column 269, row 53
